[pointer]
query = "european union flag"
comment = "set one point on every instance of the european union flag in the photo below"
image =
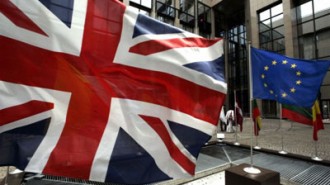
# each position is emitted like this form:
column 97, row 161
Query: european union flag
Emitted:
column 286, row 80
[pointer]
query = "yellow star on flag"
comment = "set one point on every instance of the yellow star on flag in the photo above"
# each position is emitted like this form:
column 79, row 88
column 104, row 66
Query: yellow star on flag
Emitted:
column 274, row 62
column 284, row 95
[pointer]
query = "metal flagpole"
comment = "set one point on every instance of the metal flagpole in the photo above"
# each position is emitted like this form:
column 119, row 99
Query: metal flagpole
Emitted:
column 7, row 176
column 251, row 169
column 316, row 158
column 257, row 147
column 236, row 142
column 282, row 143
column 255, row 129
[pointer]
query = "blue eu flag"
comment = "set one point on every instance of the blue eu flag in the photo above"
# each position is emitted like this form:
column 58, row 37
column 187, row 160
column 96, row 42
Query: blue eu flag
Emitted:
column 286, row 80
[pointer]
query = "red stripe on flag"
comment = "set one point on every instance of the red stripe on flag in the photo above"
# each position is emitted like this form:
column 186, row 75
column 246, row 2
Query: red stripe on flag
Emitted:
column 174, row 151
column 295, row 116
column 162, row 89
column 18, row 17
column 155, row 46
column 18, row 112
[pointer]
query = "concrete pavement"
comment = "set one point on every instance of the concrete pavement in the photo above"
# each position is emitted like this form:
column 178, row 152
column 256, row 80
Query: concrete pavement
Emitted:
column 297, row 138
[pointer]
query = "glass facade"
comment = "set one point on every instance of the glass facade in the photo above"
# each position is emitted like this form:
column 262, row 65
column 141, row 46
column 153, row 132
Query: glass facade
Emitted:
column 271, row 37
column 187, row 15
column 141, row 6
column 271, row 29
column 166, row 11
column 238, row 68
column 313, row 31
column 204, row 20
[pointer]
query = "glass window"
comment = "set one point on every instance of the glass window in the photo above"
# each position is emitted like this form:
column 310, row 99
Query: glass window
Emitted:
column 165, row 10
column 321, row 7
column 165, row 19
column 305, row 28
column 146, row 3
column 271, row 28
column 279, row 46
column 265, row 36
column 277, row 10
column 204, row 19
column 323, row 43
column 167, row 2
column 142, row 6
column 187, row 14
column 277, row 21
column 264, row 15
column 307, row 47
column 305, row 12
column 278, row 32
column 322, row 23
column 313, row 29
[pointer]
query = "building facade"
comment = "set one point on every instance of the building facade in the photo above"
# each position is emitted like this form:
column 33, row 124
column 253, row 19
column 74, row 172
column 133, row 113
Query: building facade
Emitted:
column 295, row 28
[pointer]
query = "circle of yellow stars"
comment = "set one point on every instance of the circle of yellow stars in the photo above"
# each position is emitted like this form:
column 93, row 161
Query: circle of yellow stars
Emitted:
column 285, row 92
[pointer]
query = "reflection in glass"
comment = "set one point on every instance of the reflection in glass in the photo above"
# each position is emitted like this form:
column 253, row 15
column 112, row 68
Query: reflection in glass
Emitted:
column 271, row 28
column 277, row 10
column 321, row 7
column 264, row 15
column 305, row 12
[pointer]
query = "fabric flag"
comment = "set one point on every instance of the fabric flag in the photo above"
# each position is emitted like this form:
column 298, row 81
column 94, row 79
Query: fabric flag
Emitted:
column 239, row 114
column 317, row 120
column 93, row 90
column 256, row 117
column 309, row 116
column 286, row 80
column 297, row 114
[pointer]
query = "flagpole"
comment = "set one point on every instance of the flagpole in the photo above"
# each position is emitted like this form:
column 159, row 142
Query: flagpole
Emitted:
column 257, row 147
column 316, row 158
column 315, row 123
column 251, row 169
column 7, row 176
column 256, row 130
column 236, row 142
column 282, row 142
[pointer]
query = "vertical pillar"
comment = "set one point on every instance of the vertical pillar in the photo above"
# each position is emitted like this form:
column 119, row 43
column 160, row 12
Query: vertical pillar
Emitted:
column 288, row 28
column 196, row 29
column 153, row 9
column 212, row 24
column 176, row 19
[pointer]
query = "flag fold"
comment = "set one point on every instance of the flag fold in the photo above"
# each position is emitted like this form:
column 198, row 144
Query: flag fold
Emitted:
column 286, row 80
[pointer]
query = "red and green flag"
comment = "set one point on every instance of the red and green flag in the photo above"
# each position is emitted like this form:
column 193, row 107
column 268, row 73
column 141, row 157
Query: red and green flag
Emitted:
column 256, row 117
column 309, row 116
column 298, row 114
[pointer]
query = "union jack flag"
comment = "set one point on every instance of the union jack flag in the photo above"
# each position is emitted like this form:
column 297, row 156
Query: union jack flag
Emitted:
column 92, row 90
